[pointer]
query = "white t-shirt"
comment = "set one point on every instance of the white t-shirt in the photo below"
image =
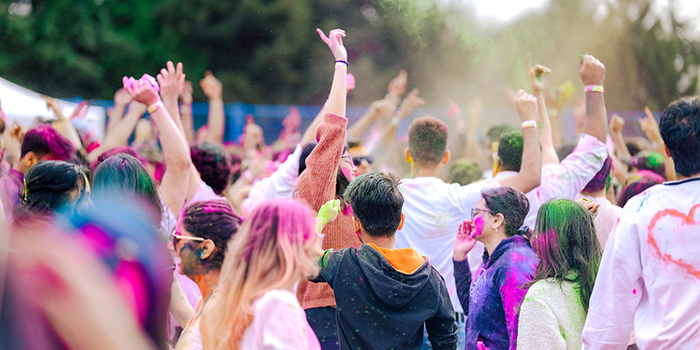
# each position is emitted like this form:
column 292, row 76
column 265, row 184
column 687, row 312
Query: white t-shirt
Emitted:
column 279, row 323
column 434, row 210
column 566, row 179
column 649, row 276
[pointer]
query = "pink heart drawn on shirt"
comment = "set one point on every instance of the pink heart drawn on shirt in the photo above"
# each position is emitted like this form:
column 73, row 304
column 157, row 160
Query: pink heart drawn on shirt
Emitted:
column 664, row 248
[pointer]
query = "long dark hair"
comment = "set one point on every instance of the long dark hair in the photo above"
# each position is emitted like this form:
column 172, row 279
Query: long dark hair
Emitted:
column 566, row 242
column 49, row 184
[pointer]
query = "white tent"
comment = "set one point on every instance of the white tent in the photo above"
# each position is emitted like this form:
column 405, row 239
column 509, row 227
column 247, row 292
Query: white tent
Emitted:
column 24, row 106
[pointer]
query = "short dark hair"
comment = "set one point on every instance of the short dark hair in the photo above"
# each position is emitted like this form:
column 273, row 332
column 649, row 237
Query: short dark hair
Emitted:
column 427, row 141
column 213, row 220
column 48, row 185
column 46, row 141
column 464, row 171
column 377, row 202
column 510, row 150
column 213, row 165
column 680, row 129
column 510, row 202
column 600, row 180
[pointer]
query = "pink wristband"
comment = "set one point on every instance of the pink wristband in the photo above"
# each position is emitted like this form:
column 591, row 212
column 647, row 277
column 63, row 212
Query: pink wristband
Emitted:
column 594, row 88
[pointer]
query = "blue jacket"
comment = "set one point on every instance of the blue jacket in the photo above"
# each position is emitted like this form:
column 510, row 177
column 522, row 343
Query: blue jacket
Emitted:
column 496, row 293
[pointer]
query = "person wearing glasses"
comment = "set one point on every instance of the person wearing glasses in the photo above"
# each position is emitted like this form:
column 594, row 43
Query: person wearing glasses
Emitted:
column 360, row 157
column 199, row 243
column 492, row 300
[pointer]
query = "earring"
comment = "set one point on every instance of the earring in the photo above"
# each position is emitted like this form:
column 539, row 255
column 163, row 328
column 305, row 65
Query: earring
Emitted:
column 496, row 230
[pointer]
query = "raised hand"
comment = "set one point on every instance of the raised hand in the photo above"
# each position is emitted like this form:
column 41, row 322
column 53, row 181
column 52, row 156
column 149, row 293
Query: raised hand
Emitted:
column 211, row 86
column 186, row 93
column 397, row 86
column 590, row 206
column 121, row 97
column 616, row 124
column 144, row 90
column 526, row 105
column 650, row 126
column 535, row 73
column 382, row 109
column 464, row 241
column 334, row 40
column 171, row 81
column 592, row 71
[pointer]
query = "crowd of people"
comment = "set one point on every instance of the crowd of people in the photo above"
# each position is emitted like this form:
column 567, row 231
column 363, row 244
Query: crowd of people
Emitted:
column 349, row 237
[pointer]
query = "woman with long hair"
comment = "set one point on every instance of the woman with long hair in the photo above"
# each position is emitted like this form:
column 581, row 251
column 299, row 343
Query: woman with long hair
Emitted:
column 554, row 311
column 493, row 299
column 200, row 242
column 254, row 306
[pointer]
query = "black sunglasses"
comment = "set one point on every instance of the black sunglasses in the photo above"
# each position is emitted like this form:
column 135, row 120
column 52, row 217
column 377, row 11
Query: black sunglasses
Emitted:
column 358, row 160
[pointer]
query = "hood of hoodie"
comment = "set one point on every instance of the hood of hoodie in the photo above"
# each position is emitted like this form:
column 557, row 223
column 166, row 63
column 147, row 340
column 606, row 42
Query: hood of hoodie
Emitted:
column 395, row 275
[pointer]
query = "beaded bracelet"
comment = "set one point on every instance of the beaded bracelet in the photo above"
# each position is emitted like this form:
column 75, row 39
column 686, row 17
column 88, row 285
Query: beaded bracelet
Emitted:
column 154, row 107
column 529, row 124
column 594, row 88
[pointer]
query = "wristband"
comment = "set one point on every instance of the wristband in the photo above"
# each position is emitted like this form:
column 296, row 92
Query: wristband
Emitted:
column 154, row 107
column 341, row 61
column 340, row 65
column 529, row 124
column 594, row 88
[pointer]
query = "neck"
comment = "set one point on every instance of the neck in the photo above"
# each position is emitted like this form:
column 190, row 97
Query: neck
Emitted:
column 491, row 242
column 381, row 242
column 419, row 171
column 681, row 177
column 207, row 283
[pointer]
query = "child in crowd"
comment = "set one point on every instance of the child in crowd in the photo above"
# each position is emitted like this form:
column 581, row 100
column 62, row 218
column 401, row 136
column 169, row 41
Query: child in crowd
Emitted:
column 385, row 295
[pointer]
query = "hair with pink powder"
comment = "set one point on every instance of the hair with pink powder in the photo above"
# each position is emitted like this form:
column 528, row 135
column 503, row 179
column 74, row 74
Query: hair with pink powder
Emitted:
column 277, row 246
column 45, row 141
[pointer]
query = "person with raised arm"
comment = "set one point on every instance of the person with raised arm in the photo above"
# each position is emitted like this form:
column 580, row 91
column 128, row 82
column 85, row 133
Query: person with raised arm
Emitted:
column 567, row 178
column 649, row 277
column 435, row 209
column 213, row 89
column 328, row 171
column 549, row 154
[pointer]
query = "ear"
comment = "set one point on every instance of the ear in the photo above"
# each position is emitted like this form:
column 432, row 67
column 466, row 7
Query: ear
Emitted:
column 207, row 249
column 407, row 156
column 499, row 221
column 667, row 152
column 446, row 157
column 30, row 159
column 403, row 218
column 358, row 225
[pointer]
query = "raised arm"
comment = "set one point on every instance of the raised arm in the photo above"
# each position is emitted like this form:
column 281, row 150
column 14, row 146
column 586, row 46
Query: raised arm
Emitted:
column 616, row 125
column 592, row 73
column 651, row 128
column 407, row 106
column 377, row 110
column 171, row 82
column 214, row 90
column 549, row 154
column 175, row 150
column 530, row 173
column 63, row 124
column 119, row 134
column 186, row 111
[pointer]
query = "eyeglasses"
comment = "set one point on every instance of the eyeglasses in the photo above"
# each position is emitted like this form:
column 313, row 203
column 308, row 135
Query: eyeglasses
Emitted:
column 476, row 211
column 175, row 236
column 358, row 160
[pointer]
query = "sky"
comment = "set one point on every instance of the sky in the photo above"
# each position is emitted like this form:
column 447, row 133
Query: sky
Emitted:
column 508, row 10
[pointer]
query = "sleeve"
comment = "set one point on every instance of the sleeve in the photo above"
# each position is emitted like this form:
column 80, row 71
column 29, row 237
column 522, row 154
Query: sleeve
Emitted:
column 316, row 185
column 537, row 326
column 512, row 294
column 463, row 280
column 618, row 288
column 329, row 263
column 284, row 324
column 281, row 184
column 567, row 179
column 441, row 328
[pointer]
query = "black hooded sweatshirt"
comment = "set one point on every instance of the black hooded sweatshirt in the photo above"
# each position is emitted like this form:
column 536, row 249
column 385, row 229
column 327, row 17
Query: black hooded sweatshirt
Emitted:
column 385, row 296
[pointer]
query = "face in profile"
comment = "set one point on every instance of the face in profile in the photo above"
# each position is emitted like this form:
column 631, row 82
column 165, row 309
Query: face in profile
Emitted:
column 361, row 159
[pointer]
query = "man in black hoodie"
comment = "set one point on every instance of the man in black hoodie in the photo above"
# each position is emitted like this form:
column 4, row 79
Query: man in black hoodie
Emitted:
column 385, row 296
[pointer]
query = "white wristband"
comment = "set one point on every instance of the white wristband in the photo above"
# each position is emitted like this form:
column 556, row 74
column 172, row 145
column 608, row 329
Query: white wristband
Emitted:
column 529, row 124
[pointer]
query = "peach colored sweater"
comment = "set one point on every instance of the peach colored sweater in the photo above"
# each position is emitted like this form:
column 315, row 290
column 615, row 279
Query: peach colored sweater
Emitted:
column 316, row 186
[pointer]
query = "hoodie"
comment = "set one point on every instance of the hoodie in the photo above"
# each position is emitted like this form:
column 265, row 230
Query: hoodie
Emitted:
column 385, row 296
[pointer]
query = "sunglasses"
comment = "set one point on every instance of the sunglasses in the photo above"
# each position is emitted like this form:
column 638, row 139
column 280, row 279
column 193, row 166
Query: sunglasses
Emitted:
column 358, row 160
column 175, row 237
column 476, row 211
